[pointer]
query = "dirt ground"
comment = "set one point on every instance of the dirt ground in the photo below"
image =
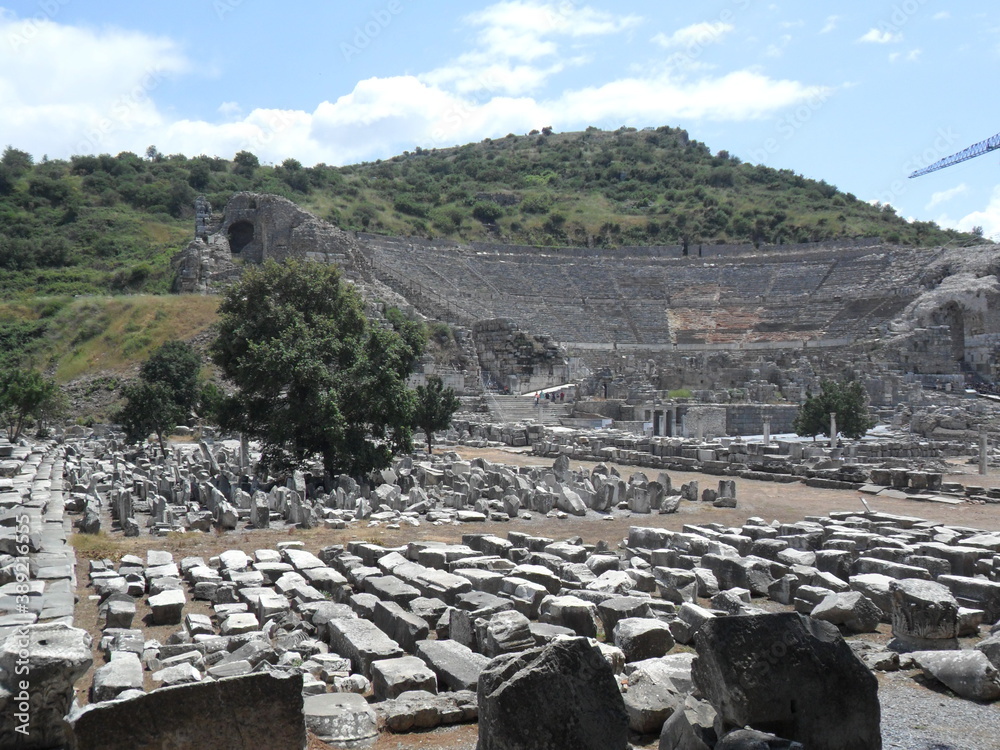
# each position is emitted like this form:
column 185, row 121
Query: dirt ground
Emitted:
column 767, row 500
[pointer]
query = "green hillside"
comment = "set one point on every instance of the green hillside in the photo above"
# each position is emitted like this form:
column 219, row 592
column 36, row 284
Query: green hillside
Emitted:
column 603, row 188
column 109, row 224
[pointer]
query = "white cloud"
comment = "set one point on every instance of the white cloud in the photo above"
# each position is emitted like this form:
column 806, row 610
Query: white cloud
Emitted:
column 941, row 15
column 696, row 35
column 72, row 90
column 988, row 218
column 830, row 25
column 874, row 36
column 514, row 38
column 230, row 109
column 79, row 87
column 944, row 196
column 777, row 50
column 912, row 56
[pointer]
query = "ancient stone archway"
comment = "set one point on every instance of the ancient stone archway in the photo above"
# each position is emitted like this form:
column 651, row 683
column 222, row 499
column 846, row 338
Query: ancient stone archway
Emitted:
column 240, row 235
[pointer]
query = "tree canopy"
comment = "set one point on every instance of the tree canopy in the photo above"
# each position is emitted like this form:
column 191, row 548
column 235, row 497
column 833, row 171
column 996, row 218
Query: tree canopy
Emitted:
column 176, row 365
column 25, row 395
column 850, row 402
column 434, row 406
column 313, row 376
column 164, row 394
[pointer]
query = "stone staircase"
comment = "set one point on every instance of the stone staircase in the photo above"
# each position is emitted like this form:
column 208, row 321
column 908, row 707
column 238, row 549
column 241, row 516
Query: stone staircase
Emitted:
column 522, row 409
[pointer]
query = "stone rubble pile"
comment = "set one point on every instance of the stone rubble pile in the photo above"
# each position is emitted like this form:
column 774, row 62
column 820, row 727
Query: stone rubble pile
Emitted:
column 364, row 637
column 401, row 638
column 870, row 465
column 202, row 490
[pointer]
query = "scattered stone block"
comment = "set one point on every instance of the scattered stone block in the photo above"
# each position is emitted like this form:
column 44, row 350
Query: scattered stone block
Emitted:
column 924, row 615
column 167, row 608
column 642, row 638
column 123, row 672
column 209, row 714
column 853, row 611
column 361, row 642
column 341, row 719
column 969, row 674
column 816, row 692
column 457, row 667
column 391, row 677
column 562, row 695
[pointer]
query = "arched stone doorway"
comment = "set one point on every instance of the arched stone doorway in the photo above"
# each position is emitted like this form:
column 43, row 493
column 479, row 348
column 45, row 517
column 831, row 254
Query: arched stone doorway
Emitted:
column 240, row 235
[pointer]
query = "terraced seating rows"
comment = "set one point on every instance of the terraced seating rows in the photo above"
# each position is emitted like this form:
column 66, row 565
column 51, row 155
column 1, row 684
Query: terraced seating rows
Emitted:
column 580, row 298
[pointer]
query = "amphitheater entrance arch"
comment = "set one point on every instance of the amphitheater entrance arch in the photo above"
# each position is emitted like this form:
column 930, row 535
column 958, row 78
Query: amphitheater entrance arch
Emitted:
column 240, row 235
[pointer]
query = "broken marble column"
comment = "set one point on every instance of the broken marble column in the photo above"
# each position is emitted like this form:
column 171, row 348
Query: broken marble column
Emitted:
column 924, row 615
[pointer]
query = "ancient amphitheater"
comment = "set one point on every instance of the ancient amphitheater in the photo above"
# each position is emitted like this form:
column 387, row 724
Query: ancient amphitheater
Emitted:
column 705, row 316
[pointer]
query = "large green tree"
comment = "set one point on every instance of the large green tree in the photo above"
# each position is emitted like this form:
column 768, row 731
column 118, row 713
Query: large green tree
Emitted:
column 434, row 407
column 164, row 394
column 176, row 365
column 313, row 376
column 149, row 408
column 848, row 399
column 25, row 395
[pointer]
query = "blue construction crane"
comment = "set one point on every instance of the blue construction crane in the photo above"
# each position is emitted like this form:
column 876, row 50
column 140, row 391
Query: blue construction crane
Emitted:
column 970, row 153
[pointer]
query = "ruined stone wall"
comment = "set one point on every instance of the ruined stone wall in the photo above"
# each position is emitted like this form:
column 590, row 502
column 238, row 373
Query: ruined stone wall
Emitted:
column 252, row 228
column 505, row 351
column 282, row 230
column 748, row 419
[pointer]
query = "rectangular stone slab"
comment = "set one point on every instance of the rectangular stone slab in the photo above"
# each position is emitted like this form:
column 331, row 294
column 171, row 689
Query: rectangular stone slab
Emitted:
column 456, row 666
column 214, row 714
column 362, row 643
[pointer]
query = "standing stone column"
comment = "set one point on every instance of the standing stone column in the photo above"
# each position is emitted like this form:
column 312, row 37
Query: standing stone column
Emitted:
column 767, row 430
column 982, row 453
column 833, row 429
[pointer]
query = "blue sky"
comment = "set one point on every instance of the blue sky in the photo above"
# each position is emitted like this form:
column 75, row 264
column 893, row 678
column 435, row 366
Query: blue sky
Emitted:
column 856, row 93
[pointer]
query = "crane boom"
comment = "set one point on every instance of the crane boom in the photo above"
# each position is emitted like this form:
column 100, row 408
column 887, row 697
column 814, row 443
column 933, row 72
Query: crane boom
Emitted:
column 971, row 152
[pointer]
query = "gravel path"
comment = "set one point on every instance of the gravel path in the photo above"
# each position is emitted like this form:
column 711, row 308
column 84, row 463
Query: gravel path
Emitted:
column 917, row 716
